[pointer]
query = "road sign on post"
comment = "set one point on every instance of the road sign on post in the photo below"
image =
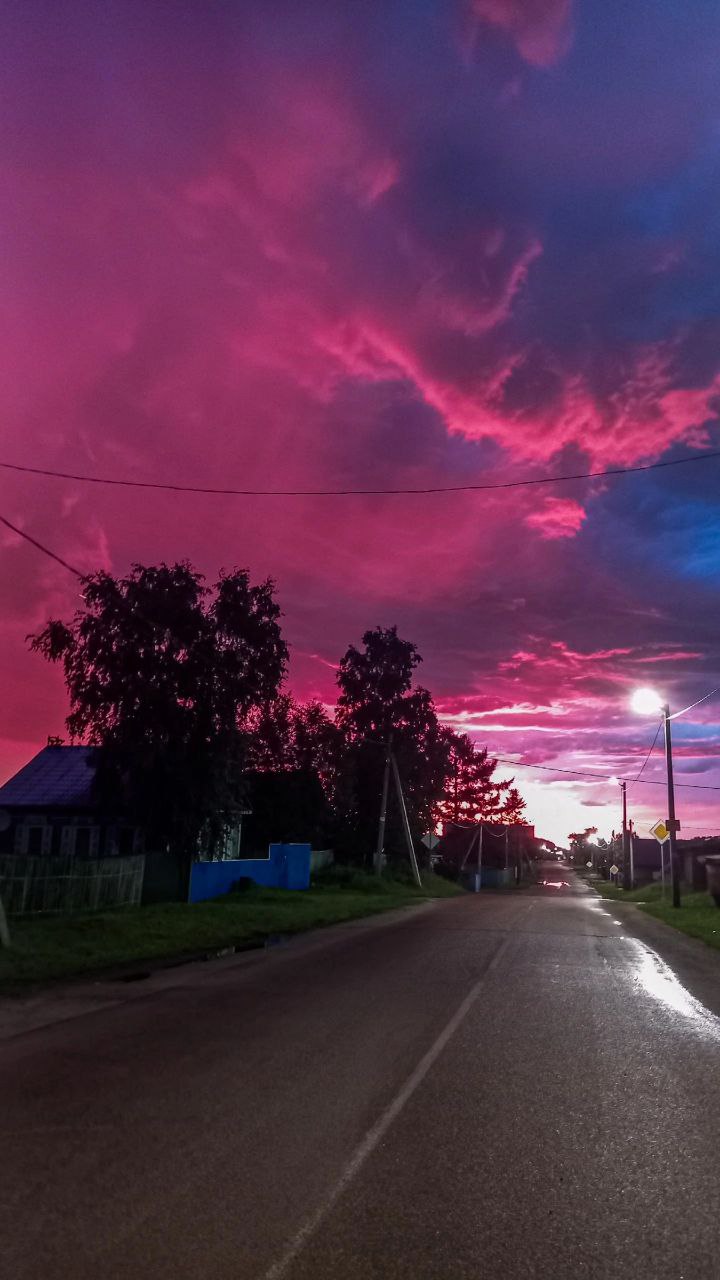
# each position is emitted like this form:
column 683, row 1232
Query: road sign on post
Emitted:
column 660, row 831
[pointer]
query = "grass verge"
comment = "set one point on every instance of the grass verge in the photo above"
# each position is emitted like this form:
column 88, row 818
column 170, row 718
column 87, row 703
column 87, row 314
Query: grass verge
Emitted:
column 698, row 916
column 51, row 948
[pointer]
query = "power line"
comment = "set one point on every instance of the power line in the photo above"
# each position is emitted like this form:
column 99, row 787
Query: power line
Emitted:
column 344, row 493
column 692, row 706
column 598, row 777
column 40, row 547
column 652, row 748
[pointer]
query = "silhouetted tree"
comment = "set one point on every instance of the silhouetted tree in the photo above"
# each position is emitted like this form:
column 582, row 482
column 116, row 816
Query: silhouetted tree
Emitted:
column 163, row 673
column 579, row 841
column 285, row 734
column 471, row 793
column 377, row 699
column 513, row 806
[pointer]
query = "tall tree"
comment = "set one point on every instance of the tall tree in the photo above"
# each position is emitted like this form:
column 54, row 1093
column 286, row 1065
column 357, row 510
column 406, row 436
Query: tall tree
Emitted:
column 471, row 793
column 579, row 843
column 377, row 699
column 162, row 672
column 285, row 734
column 513, row 806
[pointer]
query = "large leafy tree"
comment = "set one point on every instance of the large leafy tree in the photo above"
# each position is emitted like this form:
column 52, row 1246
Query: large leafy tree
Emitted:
column 162, row 673
column 286, row 734
column 580, row 843
column 377, row 699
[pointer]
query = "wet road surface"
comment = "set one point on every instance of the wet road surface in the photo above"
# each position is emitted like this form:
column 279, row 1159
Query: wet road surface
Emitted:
column 501, row 1086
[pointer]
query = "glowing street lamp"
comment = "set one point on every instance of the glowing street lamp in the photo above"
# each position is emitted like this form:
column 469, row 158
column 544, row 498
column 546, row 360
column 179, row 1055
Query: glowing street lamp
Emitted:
column 648, row 702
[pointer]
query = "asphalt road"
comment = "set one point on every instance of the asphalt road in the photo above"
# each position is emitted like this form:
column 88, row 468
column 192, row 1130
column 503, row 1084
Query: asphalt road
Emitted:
column 499, row 1086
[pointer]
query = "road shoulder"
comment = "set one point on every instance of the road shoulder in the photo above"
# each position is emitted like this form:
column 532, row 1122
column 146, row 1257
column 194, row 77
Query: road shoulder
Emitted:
column 696, row 965
column 84, row 996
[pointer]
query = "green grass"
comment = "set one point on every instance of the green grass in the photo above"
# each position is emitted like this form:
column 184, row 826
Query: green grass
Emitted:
column 51, row 948
column 698, row 916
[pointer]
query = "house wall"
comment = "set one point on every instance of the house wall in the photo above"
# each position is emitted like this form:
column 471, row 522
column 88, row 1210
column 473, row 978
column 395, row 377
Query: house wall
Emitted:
column 54, row 833
column 286, row 867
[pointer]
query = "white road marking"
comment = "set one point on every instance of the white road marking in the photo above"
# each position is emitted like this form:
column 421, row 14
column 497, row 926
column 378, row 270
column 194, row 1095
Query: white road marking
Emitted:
column 381, row 1126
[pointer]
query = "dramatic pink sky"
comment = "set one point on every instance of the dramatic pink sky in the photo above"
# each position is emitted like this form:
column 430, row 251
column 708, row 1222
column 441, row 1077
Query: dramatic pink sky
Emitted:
column 408, row 242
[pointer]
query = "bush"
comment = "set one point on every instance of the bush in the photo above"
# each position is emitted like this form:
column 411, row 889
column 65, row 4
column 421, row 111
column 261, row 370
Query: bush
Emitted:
column 448, row 870
column 340, row 877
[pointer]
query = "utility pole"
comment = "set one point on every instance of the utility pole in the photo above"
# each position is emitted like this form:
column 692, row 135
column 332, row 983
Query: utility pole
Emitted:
column 380, row 847
column 672, row 822
column 627, row 876
column 406, row 822
column 479, row 860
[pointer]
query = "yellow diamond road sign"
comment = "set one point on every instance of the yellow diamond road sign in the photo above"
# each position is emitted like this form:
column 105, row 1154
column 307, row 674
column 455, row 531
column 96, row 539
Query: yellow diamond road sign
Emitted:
column 660, row 831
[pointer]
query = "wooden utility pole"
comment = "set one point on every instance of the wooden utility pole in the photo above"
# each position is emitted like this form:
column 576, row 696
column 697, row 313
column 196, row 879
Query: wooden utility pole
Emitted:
column 405, row 820
column 672, row 822
column 380, row 847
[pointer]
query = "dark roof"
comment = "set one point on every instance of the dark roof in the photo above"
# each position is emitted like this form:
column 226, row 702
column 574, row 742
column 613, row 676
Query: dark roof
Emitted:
column 60, row 776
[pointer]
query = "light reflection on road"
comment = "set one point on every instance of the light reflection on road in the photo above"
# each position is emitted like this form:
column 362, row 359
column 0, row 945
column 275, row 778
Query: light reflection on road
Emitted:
column 658, row 980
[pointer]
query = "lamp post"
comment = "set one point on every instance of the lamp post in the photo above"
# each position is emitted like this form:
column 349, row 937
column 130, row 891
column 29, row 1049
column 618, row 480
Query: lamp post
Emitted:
column 648, row 702
column 672, row 822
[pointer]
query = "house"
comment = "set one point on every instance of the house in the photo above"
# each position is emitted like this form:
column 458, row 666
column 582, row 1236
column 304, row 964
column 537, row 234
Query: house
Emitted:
column 648, row 855
column 48, row 809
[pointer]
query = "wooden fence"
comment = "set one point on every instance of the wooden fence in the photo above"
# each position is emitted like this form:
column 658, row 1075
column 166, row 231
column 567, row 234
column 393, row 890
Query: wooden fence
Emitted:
column 62, row 886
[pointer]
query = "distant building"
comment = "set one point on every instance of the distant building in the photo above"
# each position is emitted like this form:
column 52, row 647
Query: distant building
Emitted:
column 500, row 859
column 647, row 859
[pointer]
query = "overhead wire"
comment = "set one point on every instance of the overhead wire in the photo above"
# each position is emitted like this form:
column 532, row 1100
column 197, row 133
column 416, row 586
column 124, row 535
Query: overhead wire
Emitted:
column 645, row 761
column 597, row 777
column 692, row 705
column 231, row 491
column 39, row 546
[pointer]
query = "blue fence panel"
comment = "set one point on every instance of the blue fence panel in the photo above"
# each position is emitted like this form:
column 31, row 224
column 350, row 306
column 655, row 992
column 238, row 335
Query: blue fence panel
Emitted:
column 286, row 867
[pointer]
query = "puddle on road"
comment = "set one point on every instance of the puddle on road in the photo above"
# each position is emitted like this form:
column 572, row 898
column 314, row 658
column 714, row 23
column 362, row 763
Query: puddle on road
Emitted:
column 658, row 980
